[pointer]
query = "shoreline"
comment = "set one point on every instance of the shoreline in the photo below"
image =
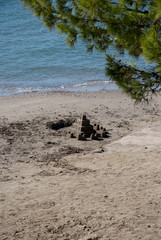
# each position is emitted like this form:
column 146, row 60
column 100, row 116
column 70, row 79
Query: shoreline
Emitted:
column 89, row 86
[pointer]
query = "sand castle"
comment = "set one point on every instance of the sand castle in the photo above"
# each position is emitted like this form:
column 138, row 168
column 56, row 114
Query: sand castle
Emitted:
column 82, row 129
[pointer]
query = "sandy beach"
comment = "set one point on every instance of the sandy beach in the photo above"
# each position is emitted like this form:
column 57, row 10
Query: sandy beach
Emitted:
column 53, row 186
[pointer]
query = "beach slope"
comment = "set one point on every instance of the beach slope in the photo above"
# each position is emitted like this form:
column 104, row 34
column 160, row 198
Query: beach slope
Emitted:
column 56, row 187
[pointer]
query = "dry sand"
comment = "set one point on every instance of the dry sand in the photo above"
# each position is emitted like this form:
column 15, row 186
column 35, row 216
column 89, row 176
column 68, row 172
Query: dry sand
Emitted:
column 56, row 187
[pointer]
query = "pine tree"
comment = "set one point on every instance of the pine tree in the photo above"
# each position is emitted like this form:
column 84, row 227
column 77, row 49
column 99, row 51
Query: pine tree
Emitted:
column 128, row 26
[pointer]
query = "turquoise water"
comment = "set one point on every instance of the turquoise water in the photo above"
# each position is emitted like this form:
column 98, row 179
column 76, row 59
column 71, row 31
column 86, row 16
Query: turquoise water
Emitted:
column 34, row 59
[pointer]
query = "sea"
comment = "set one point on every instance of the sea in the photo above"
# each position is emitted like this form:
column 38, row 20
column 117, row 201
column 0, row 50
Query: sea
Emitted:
column 34, row 59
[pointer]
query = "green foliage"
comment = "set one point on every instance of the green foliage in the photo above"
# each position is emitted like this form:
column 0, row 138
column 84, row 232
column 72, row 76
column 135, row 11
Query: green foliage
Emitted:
column 126, row 25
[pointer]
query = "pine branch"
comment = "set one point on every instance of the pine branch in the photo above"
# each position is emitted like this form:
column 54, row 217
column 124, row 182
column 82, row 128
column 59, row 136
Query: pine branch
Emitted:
column 139, row 84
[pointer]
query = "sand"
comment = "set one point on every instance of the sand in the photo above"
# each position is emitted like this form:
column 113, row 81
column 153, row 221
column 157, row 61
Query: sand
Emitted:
column 56, row 187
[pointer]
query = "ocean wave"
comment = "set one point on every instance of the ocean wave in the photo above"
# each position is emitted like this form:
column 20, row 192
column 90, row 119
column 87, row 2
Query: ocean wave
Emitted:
column 91, row 85
column 88, row 83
